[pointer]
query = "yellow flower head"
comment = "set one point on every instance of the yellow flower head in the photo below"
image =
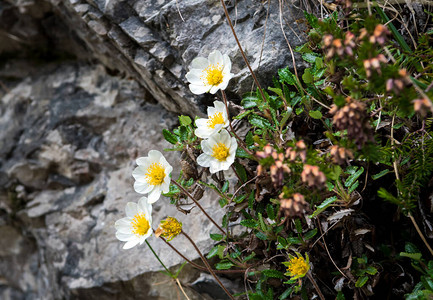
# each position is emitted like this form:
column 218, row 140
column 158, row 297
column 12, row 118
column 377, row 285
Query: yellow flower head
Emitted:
column 169, row 228
column 297, row 267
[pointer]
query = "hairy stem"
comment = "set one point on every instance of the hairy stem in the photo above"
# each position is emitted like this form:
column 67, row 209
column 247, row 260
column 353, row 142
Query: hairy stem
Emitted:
column 157, row 257
column 207, row 265
column 198, row 205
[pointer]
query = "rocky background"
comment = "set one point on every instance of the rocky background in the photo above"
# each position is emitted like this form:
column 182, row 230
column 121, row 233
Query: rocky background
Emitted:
column 86, row 86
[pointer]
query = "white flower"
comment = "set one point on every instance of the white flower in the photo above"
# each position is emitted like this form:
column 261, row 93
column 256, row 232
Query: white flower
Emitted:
column 217, row 119
column 152, row 175
column 137, row 226
column 209, row 74
column 218, row 152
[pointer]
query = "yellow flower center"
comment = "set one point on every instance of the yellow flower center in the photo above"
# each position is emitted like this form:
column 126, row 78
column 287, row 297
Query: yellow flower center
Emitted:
column 298, row 266
column 220, row 151
column 155, row 174
column 140, row 225
column 216, row 119
column 213, row 75
column 170, row 228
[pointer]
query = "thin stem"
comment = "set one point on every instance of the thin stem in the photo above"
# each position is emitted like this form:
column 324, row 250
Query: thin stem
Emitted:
column 241, row 142
column 420, row 233
column 180, row 286
column 207, row 265
column 315, row 286
column 196, row 265
column 198, row 205
column 242, row 51
column 157, row 257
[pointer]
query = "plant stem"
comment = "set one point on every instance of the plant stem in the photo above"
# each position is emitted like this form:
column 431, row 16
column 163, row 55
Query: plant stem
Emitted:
column 240, row 141
column 157, row 257
column 242, row 51
column 315, row 286
column 420, row 233
column 196, row 265
column 198, row 205
column 207, row 265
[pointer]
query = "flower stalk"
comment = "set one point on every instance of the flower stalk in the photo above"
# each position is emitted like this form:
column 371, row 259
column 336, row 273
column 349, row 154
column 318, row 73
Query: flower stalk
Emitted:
column 198, row 205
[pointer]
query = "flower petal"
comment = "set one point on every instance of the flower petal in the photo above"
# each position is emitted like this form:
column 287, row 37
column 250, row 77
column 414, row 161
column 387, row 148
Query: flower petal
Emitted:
column 139, row 173
column 154, row 156
column 131, row 244
column 203, row 132
column 215, row 57
column 131, row 209
column 199, row 89
column 199, row 63
column 204, row 160
column 206, row 146
column 227, row 63
column 122, row 222
column 194, row 76
column 142, row 187
column 214, row 89
column 124, row 237
column 144, row 206
column 219, row 106
column 154, row 195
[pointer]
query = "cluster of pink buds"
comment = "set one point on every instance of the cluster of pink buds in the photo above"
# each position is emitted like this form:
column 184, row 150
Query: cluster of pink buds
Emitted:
column 397, row 85
column 313, row 176
column 373, row 64
column 295, row 206
column 278, row 168
column 422, row 106
column 379, row 35
column 300, row 151
column 338, row 46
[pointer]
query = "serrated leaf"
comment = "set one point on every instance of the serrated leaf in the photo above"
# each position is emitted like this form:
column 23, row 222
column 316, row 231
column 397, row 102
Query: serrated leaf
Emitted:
column 262, row 222
column 260, row 235
column 273, row 273
column 249, row 140
column 361, row 281
column 351, row 179
column 258, row 121
column 315, row 114
column 324, row 205
column 250, row 223
column 169, row 137
column 286, row 76
column 249, row 102
column 270, row 211
column 380, row 174
column 185, row 120
column 353, row 187
column 241, row 153
column 216, row 236
column 251, row 199
column 243, row 114
column 371, row 270
column 310, row 234
column 279, row 92
column 309, row 57
column 224, row 265
column 240, row 170
column 183, row 133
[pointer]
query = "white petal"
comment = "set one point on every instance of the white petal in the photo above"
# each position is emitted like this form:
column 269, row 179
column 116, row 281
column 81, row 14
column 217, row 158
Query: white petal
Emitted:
column 194, row 76
column 215, row 57
column 131, row 244
column 125, row 230
column 217, row 128
column 131, row 209
column 227, row 63
column 203, row 160
column 211, row 111
column 199, row 89
column 214, row 166
column 214, row 89
column 206, row 146
column 154, row 195
column 154, row 156
column 199, row 63
column 165, row 186
column 223, row 85
column 139, row 173
column 142, row 187
column 141, row 161
column 124, row 237
column 203, row 132
column 224, row 137
column 124, row 222
column 219, row 106
column 168, row 170
column 144, row 206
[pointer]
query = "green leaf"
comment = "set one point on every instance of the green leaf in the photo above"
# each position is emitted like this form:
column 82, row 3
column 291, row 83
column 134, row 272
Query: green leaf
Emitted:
column 240, row 198
column 310, row 57
column 169, row 137
column 183, row 132
column 312, row 19
column 225, row 186
column 310, row 234
column 286, row 76
column 249, row 102
column 414, row 256
column 249, row 140
column 319, row 63
column 251, row 199
column 262, row 222
column 243, row 114
column 216, row 236
column 361, row 281
column 224, row 265
column 380, row 174
column 353, row 187
column 351, row 179
column 258, row 121
column 250, row 223
column 223, row 202
column 241, row 153
column 270, row 211
column 240, row 170
column 285, row 294
column 307, row 77
column 261, row 235
column 185, row 120
column 217, row 250
column 273, row 273
column 315, row 114
column 370, row 270
column 279, row 92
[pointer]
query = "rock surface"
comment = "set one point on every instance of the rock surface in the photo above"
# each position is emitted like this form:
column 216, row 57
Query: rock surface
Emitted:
column 86, row 86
